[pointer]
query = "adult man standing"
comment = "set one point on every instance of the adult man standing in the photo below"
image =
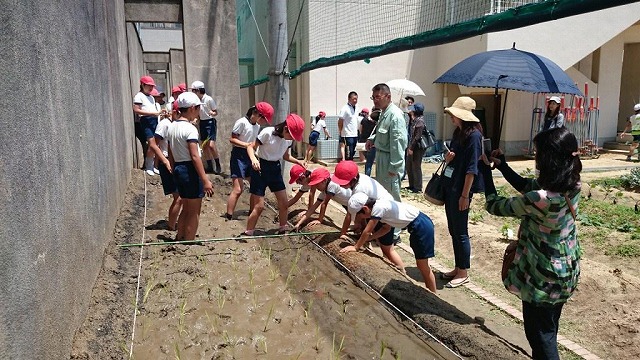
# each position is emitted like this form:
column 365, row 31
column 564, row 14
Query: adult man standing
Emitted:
column 348, row 126
column 390, row 140
column 208, row 126
column 633, row 125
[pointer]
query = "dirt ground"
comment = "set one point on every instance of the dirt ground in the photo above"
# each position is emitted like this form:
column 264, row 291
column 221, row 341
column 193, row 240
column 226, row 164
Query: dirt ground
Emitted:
column 288, row 298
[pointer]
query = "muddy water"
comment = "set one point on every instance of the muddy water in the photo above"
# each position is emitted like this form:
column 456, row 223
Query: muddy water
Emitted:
column 270, row 298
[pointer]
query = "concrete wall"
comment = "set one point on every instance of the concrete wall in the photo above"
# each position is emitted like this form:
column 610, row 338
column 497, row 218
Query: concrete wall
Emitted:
column 65, row 151
column 176, row 70
column 211, row 56
column 136, row 70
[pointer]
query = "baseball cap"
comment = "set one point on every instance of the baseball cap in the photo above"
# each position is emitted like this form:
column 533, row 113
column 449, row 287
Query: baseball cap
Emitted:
column 556, row 99
column 636, row 107
column 295, row 124
column 175, row 106
column 295, row 173
column 154, row 92
column 187, row 100
column 197, row 85
column 318, row 175
column 345, row 171
column 147, row 80
column 176, row 89
column 416, row 107
column 365, row 110
column 266, row 110
column 183, row 87
column 322, row 114
column 356, row 202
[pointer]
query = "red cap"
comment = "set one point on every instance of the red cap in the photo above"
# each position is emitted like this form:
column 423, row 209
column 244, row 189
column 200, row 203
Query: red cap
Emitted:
column 154, row 92
column 175, row 107
column 183, row 87
column 345, row 172
column 295, row 173
column 266, row 110
column 318, row 175
column 147, row 80
column 322, row 114
column 365, row 110
column 295, row 124
column 176, row 89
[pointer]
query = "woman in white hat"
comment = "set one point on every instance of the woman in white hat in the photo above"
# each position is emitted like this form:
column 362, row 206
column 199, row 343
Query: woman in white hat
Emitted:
column 461, row 180
column 553, row 118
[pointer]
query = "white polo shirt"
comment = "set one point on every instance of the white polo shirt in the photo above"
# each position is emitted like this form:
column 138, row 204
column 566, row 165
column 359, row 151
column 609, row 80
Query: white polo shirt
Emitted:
column 180, row 134
column 146, row 102
column 370, row 187
column 319, row 126
column 272, row 147
column 162, row 131
column 208, row 104
column 397, row 214
column 340, row 194
column 245, row 131
column 349, row 117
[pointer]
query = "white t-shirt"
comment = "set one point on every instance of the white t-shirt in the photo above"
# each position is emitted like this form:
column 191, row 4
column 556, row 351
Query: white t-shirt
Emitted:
column 169, row 104
column 272, row 147
column 340, row 194
column 319, row 125
column 350, row 122
column 372, row 188
column 245, row 131
column 208, row 104
column 162, row 130
column 146, row 102
column 635, row 124
column 396, row 214
column 180, row 134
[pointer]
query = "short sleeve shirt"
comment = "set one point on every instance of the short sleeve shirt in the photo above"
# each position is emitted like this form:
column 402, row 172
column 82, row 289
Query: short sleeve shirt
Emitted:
column 162, row 131
column 208, row 104
column 180, row 134
column 272, row 147
column 146, row 102
column 635, row 124
column 397, row 214
column 245, row 131
column 319, row 125
column 372, row 188
column 350, row 117
column 340, row 194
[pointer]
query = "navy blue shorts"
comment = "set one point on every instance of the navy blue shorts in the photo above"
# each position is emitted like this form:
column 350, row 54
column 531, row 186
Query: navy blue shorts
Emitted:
column 187, row 181
column 208, row 129
column 421, row 238
column 240, row 164
column 636, row 138
column 270, row 176
column 386, row 239
column 149, row 124
column 313, row 138
column 168, row 184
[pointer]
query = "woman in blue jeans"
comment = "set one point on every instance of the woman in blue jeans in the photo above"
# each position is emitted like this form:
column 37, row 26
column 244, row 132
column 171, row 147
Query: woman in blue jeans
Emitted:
column 460, row 181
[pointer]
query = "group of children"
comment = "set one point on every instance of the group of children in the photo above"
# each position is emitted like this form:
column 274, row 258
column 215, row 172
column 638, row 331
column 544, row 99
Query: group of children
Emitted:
column 256, row 157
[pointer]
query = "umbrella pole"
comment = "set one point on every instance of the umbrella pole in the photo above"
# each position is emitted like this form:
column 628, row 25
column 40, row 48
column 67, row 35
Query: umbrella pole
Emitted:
column 504, row 108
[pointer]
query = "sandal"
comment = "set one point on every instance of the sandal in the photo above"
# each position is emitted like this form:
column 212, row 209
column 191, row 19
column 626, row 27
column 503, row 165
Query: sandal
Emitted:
column 457, row 282
column 445, row 276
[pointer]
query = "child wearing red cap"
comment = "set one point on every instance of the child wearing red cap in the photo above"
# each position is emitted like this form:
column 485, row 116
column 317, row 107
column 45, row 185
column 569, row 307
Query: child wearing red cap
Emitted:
column 318, row 125
column 299, row 175
column 244, row 133
column 271, row 145
column 320, row 179
column 161, row 149
column 144, row 105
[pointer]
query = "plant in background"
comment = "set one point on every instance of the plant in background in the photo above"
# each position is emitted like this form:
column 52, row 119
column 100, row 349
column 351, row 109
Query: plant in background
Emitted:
column 506, row 231
column 632, row 180
column 528, row 173
column 475, row 216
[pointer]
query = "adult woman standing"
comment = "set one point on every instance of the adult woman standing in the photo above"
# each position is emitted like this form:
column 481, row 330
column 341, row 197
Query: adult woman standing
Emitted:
column 546, row 266
column 414, row 150
column 553, row 118
column 318, row 125
column 460, row 181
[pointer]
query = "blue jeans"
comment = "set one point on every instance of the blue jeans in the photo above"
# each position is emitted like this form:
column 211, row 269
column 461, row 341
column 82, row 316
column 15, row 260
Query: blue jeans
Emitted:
column 541, row 327
column 350, row 148
column 458, row 223
column 370, row 156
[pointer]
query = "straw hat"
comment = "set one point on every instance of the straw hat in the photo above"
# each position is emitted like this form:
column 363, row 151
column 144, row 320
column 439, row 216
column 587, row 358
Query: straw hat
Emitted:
column 461, row 109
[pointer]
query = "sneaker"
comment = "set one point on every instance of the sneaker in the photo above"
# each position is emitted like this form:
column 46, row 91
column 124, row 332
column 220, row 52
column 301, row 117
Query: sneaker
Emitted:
column 628, row 158
column 156, row 171
column 228, row 216
column 218, row 170
column 150, row 172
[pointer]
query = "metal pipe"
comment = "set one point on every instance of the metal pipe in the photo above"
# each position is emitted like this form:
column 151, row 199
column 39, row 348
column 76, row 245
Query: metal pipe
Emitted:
column 243, row 237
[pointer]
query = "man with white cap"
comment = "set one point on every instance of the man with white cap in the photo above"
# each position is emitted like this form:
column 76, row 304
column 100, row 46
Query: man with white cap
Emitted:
column 633, row 125
column 208, row 126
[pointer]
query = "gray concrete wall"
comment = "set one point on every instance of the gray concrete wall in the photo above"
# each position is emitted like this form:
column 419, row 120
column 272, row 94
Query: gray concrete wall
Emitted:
column 176, row 67
column 65, row 153
column 136, row 70
column 211, row 55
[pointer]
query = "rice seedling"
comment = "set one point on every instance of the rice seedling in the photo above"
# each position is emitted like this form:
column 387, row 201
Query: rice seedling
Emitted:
column 308, row 309
column 176, row 350
column 213, row 322
column 294, row 267
column 266, row 323
column 336, row 351
column 183, row 312
column 220, row 299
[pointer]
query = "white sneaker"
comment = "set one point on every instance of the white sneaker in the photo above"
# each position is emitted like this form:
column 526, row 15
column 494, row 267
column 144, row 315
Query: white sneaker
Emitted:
column 150, row 172
column 156, row 171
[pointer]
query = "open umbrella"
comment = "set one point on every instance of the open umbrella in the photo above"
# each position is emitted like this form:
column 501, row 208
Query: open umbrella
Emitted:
column 404, row 87
column 510, row 69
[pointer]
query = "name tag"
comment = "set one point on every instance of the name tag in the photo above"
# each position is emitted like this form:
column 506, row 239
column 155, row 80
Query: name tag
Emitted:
column 448, row 172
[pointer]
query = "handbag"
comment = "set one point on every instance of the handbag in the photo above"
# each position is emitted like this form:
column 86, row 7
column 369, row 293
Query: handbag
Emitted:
column 434, row 193
column 510, row 251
